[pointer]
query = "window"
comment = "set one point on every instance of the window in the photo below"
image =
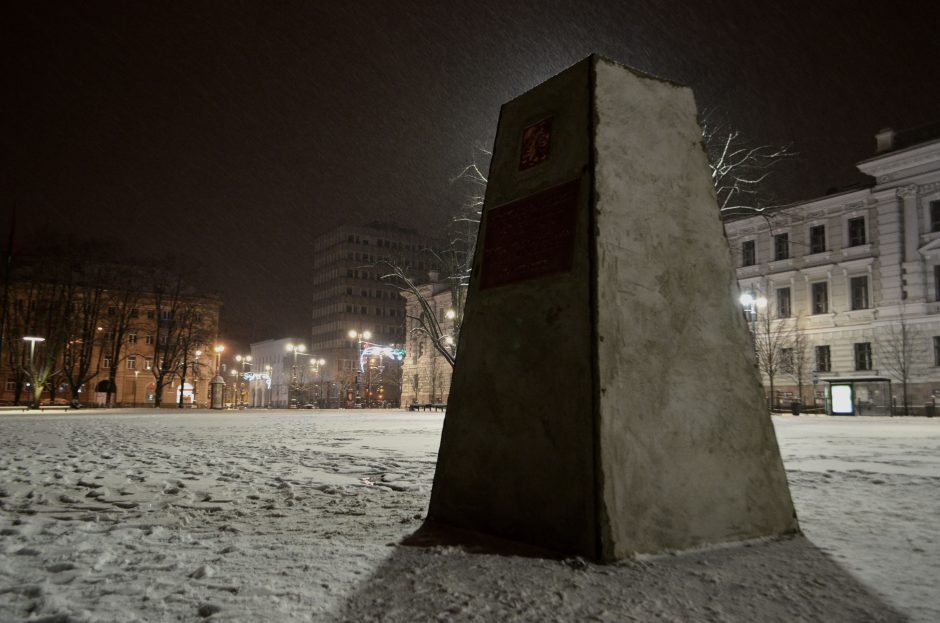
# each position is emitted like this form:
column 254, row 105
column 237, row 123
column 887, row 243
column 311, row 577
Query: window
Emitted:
column 132, row 338
column 935, row 216
column 11, row 381
column 151, row 314
column 166, row 314
column 148, row 363
column 863, row 356
column 106, row 361
column 817, row 239
column 856, row 231
column 748, row 254
column 936, row 351
column 112, row 311
column 132, row 362
column 786, row 360
column 822, row 359
column 936, row 282
column 148, row 339
column 783, row 302
column 135, row 313
column 820, row 297
column 781, row 246
column 859, row 292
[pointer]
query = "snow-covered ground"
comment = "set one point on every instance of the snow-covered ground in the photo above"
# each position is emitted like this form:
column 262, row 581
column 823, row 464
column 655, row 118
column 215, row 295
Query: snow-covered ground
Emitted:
column 298, row 515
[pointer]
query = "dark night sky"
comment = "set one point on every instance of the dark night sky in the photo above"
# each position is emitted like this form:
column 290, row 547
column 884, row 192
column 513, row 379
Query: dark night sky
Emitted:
column 240, row 130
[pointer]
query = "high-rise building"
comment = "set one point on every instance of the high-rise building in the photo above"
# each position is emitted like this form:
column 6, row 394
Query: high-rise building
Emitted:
column 351, row 293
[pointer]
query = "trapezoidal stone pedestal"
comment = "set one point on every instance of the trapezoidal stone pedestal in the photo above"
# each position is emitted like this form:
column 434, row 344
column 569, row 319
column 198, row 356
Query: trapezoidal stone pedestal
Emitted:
column 606, row 400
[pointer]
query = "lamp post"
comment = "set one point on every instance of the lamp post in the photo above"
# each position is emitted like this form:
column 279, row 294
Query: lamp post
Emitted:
column 32, row 375
column 267, row 370
column 361, row 337
column 244, row 360
column 296, row 349
column 218, row 383
column 234, row 373
column 751, row 302
column 195, row 366
column 315, row 364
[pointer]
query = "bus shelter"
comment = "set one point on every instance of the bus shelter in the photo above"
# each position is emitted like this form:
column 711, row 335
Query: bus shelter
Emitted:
column 858, row 396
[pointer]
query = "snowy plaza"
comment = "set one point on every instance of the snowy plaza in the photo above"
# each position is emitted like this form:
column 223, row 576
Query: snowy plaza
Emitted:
column 136, row 515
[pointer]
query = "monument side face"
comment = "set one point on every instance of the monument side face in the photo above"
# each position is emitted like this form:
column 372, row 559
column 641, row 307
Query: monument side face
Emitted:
column 688, row 453
column 517, row 458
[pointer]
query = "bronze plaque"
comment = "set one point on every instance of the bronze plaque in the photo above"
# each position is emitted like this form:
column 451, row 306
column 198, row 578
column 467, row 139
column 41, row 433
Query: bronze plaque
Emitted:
column 536, row 144
column 531, row 237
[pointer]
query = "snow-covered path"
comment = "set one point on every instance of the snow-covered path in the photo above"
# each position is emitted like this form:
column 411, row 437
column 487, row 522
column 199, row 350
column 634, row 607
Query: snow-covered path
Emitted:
column 295, row 516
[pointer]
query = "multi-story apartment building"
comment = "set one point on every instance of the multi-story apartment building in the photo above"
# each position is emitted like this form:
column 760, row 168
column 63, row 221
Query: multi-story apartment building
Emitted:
column 72, row 329
column 350, row 295
column 426, row 374
column 851, row 283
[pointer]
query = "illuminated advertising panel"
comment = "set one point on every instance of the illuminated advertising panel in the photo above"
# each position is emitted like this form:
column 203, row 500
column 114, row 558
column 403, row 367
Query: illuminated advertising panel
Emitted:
column 842, row 400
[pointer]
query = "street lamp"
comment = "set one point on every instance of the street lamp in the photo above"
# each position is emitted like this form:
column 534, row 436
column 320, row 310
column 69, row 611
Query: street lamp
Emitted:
column 315, row 364
column 751, row 303
column 293, row 348
column 195, row 366
column 218, row 383
column 245, row 360
column 234, row 387
column 32, row 375
column 269, row 372
column 361, row 337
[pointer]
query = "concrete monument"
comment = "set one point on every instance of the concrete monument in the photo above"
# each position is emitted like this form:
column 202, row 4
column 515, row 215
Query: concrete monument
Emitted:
column 606, row 400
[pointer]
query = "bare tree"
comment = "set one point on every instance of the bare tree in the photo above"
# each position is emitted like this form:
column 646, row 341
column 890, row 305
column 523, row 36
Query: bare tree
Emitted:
column 898, row 347
column 120, row 318
column 801, row 361
column 81, row 357
column 176, row 320
column 740, row 169
column 771, row 337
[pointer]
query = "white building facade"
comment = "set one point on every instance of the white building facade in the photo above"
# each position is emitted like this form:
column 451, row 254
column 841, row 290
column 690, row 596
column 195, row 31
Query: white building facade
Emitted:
column 857, row 275
column 277, row 366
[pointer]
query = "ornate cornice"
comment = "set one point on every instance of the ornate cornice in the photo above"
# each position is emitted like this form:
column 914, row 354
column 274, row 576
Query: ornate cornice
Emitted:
column 907, row 192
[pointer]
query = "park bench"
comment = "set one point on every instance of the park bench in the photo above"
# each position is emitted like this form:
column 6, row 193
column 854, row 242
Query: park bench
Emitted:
column 14, row 408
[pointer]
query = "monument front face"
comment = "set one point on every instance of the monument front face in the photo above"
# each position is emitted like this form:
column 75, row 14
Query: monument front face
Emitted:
column 605, row 400
column 516, row 443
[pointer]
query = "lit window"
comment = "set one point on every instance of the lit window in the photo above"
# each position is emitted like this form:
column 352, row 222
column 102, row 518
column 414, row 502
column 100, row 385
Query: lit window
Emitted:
column 132, row 362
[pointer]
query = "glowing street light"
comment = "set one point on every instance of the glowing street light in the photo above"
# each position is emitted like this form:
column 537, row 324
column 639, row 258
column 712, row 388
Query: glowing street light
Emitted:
column 217, row 401
column 32, row 351
column 32, row 346
column 294, row 348
column 360, row 336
